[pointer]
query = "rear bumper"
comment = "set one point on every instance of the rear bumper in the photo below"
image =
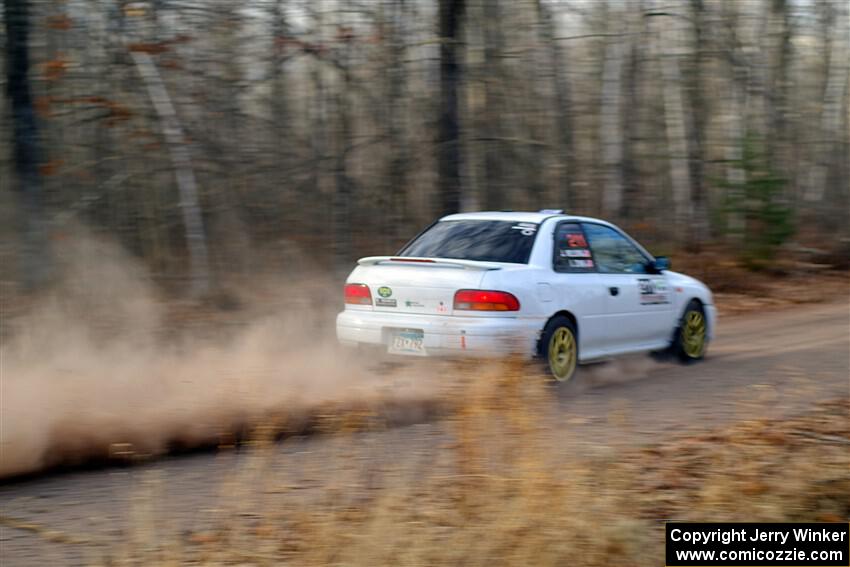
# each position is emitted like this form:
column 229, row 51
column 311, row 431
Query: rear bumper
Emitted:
column 444, row 335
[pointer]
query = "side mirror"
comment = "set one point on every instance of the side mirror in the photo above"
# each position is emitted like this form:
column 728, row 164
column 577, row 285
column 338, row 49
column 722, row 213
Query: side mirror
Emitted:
column 660, row 264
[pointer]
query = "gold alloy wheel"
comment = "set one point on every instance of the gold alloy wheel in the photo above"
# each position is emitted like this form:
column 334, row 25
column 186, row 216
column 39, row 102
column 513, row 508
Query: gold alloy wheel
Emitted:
column 562, row 354
column 693, row 334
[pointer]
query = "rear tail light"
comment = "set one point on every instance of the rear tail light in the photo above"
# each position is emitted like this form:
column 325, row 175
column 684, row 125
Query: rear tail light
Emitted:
column 485, row 300
column 358, row 294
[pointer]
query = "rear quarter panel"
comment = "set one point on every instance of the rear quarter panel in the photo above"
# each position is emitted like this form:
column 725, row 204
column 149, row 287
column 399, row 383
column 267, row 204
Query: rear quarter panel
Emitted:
column 522, row 281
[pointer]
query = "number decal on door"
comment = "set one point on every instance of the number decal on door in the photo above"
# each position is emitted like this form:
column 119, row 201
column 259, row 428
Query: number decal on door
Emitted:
column 576, row 241
column 653, row 291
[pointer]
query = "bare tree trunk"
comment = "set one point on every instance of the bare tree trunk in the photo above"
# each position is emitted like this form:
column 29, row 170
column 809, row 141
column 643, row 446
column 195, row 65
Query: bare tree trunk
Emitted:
column 563, row 109
column 448, row 142
column 533, row 115
column 344, row 184
column 35, row 262
column 398, row 161
column 696, row 132
column 833, row 103
column 495, row 150
column 343, row 188
column 319, row 137
column 611, row 127
column 631, row 118
column 280, row 111
column 777, row 112
column 736, row 221
column 190, row 206
column 677, row 141
column 755, row 106
column 736, row 177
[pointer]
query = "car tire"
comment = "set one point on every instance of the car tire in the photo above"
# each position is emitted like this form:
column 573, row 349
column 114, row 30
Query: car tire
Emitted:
column 691, row 338
column 559, row 348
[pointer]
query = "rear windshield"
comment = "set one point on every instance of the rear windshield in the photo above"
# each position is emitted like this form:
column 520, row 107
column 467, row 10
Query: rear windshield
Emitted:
column 484, row 240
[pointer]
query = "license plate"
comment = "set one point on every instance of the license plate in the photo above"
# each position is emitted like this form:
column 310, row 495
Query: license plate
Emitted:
column 408, row 341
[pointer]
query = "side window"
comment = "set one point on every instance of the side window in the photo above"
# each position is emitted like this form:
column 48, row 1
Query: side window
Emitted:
column 571, row 252
column 613, row 252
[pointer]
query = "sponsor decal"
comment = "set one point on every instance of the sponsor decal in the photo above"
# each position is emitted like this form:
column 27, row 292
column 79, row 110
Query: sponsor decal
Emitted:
column 384, row 291
column 581, row 263
column 576, row 240
column 575, row 253
column 382, row 302
column 525, row 228
column 653, row 291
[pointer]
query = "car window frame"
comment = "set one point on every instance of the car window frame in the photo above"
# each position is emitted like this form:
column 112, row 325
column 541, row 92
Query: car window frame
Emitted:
column 555, row 250
column 649, row 258
column 418, row 234
column 528, row 258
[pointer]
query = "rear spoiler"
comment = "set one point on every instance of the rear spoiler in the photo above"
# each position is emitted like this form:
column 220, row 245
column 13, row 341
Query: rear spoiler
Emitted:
column 435, row 262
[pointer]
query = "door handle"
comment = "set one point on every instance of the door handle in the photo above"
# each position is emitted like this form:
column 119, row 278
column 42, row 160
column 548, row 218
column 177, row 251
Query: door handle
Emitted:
column 614, row 290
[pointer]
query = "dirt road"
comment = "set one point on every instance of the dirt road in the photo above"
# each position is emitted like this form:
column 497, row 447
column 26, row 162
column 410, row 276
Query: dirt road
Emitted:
column 765, row 365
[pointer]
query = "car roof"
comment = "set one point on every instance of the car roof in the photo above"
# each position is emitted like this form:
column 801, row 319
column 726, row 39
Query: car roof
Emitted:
column 517, row 216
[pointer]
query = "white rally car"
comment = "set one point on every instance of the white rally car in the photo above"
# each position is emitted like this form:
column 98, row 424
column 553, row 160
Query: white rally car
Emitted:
column 564, row 288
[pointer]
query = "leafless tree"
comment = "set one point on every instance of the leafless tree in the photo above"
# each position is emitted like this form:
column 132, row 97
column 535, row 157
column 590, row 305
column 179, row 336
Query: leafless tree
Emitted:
column 205, row 134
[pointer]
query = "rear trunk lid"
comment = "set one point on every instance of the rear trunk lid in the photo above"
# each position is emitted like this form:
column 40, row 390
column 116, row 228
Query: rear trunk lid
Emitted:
column 418, row 285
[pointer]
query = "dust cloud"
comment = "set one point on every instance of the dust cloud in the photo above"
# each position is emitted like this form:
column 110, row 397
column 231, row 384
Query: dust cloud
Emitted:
column 618, row 371
column 96, row 370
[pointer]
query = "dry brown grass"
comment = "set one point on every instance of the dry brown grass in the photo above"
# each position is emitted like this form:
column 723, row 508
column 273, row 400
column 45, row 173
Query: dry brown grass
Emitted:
column 764, row 293
column 490, row 490
column 795, row 277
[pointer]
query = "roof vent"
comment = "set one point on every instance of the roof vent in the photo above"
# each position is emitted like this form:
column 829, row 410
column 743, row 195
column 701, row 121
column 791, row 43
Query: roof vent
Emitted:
column 551, row 211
